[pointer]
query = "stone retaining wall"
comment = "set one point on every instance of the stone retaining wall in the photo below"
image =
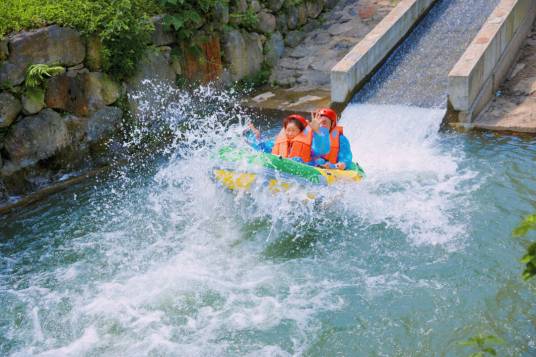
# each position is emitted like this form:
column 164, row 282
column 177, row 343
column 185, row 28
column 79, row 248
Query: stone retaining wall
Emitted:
column 475, row 78
column 55, row 127
column 348, row 75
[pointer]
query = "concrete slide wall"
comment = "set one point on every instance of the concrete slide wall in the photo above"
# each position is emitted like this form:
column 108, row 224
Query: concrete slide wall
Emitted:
column 356, row 67
column 486, row 62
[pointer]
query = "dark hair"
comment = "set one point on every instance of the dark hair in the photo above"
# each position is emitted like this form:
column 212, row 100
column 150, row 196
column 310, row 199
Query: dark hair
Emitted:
column 296, row 122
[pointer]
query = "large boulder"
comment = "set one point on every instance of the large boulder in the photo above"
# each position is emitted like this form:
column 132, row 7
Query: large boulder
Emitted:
column 154, row 73
column 281, row 23
column 292, row 18
column 266, row 23
column 221, row 12
column 36, row 137
column 302, row 14
column 49, row 45
column 243, row 53
column 83, row 94
column 314, row 8
column 33, row 100
column 10, row 107
column 274, row 48
column 294, row 38
column 255, row 5
column 103, row 123
column 275, row 5
column 161, row 37
column 100, row 125
column 155, row 66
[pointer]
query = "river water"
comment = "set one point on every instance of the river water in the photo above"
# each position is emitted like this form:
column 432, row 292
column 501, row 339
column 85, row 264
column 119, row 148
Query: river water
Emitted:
column 156, row 260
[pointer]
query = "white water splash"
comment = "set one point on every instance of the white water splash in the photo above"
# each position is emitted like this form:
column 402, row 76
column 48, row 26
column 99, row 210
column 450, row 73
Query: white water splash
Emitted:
column 412, row 182
column 177, row 265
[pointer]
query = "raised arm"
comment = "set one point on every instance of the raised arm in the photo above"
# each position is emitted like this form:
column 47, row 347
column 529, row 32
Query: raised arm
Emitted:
column 253, row 137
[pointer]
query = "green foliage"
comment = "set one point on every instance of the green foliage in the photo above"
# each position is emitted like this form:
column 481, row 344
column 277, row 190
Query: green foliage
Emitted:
column 122, row 25
column 529, row 223
column 185, row 16
column 37, row 73
column 529, row 259
column 483, row 345
column 87, row 16
column 124, row 36
column 247, row 20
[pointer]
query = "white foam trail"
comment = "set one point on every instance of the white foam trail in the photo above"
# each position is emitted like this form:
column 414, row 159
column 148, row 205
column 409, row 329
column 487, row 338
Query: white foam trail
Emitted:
column 412, row 182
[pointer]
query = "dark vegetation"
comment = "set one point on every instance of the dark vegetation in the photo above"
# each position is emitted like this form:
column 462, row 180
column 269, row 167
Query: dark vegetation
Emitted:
column 529, row 259
column 124, row 26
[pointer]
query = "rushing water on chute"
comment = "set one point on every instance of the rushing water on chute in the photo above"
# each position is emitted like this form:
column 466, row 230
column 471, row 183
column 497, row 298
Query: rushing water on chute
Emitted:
column 159, row 260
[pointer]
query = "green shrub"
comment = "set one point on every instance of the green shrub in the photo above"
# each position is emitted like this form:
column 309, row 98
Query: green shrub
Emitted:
column 247, row 20
column 186, row 16
column 122, row 25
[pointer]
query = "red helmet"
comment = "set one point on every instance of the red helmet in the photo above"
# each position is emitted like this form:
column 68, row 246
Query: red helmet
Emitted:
column 331, row 114
column 295, row 117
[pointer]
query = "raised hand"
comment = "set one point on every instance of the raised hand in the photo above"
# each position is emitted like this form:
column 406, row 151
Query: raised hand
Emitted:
column 255, row 131
column 315, row 121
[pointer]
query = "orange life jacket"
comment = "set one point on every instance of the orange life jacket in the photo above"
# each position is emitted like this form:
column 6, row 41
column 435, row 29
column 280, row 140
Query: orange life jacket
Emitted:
column 300, row 146
column 334, row 145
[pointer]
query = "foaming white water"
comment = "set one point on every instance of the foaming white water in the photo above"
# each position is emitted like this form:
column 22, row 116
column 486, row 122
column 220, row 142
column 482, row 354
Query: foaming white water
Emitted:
column 185, row 279
column 184, row 267
column 412, row 182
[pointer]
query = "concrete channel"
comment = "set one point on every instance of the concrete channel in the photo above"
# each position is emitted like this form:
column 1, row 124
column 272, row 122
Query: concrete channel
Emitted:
column 477, row 75
column 445, row 53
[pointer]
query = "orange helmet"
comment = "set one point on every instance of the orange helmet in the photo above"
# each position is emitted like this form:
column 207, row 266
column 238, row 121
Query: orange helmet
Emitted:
column 297, row 117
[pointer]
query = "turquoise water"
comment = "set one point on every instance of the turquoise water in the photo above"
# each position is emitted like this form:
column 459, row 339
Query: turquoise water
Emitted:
column 158, row 260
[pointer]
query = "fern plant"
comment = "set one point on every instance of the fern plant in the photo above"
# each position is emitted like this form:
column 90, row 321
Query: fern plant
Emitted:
column 37, row 73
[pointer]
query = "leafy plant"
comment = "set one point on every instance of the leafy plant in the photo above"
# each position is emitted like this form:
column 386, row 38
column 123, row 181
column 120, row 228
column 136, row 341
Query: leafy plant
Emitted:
column 528, row 224
column 122, row 25
column 247, row 19
column 529, row 259
column 185, row 16
column 125, row 37
column 37, row 73
column 483, row 345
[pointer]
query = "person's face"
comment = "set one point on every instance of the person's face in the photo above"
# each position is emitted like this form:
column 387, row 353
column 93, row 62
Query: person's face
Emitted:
column 325, row 121
column 292, row 130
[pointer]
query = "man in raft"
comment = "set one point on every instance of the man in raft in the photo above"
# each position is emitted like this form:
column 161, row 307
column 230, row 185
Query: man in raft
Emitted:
column 340, row 153
column 298, row 140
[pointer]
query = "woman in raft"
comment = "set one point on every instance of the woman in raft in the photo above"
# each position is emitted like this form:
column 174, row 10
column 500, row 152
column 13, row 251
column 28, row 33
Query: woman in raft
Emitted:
column 298, row 140
column 340, row 153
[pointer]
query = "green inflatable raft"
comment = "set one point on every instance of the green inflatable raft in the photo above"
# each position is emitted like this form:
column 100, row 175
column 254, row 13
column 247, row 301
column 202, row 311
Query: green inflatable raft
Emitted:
column 241, row 169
